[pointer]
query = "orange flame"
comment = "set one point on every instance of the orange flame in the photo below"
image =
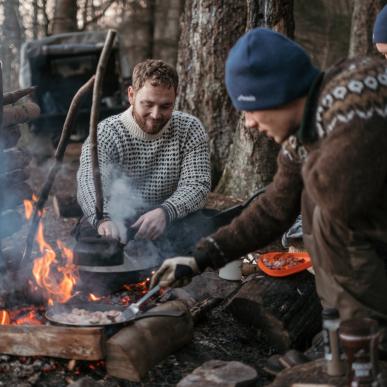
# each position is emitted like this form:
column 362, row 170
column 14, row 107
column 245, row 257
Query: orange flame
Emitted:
column 4, row 317
column 93, row 297
column 58, row 281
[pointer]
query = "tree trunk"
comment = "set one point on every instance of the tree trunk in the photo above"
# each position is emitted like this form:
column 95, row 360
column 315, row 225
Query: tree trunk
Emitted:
column 166, row 35
column 65, row 16
column 209, row 30
column 363, row 18
column 136, row 35
column 12, row 35
column 252, row 160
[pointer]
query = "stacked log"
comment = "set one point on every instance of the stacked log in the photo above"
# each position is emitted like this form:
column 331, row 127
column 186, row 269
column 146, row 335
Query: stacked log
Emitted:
column 13, row 161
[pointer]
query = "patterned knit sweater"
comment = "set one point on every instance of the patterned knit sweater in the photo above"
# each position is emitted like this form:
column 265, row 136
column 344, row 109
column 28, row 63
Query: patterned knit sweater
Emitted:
column 338, row 159
column 169, row 169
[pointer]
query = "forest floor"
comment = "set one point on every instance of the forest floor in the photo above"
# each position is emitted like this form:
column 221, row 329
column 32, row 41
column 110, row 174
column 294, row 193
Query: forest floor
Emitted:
column 217, row 336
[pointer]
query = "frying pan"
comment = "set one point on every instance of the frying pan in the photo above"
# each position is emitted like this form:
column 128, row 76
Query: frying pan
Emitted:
column 52, row 311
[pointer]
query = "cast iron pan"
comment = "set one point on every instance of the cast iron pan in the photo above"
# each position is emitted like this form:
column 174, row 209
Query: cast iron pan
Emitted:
column 103, row 307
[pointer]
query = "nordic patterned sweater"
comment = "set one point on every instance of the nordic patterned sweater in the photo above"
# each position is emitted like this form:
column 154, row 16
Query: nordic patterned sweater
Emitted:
column 337, row 160
column 170, row 169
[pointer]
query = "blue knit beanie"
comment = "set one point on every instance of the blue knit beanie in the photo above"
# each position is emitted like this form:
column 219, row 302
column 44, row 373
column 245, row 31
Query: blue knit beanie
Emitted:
column 265, row 70
column 380, row 27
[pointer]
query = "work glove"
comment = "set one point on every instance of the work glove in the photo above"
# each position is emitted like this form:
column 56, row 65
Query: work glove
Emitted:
column 175, row 272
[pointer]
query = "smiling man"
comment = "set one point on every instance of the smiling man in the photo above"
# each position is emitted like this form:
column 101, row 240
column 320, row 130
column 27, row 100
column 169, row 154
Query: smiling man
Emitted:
column 162, row 154
column 333, row 165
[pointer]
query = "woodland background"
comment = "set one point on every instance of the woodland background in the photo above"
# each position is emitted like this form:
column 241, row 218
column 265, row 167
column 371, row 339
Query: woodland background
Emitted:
column 196, row 35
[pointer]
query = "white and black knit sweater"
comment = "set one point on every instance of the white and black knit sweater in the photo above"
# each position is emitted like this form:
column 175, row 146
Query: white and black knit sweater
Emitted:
column 170, row 169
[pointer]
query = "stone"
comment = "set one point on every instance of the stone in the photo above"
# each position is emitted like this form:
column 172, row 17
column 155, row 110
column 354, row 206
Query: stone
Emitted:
column 221, row 373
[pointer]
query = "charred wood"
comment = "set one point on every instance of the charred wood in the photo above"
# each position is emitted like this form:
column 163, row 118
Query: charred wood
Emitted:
column 10, row 222
column 134, row 350
column 287, row 309
column 17, row 114
column 66, row 207
column 14, row 96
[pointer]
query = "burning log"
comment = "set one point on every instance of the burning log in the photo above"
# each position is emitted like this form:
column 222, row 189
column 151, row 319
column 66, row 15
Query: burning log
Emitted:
column 14, row 96
column 286, row 309
column 17, row 114
column 10, row 222
column 134, row 350
column 55, row 341
column 66, row 206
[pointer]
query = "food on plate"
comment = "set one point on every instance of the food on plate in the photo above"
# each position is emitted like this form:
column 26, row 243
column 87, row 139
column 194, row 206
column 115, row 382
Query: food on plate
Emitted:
column 79, row 316
column 283, row 261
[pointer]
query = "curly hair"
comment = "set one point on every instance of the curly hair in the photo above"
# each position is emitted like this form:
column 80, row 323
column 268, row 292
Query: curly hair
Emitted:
column 157, row 72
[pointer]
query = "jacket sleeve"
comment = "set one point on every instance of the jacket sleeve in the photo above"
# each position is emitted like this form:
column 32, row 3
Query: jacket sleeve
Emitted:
column 346, row 175
column 107, row 156
column 195, row 175
column 267, row 217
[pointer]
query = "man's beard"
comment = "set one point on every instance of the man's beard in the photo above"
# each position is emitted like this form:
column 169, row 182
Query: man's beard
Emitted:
column 156, row 127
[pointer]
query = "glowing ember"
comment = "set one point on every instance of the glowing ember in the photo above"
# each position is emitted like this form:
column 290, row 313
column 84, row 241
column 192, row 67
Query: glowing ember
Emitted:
column 57, row 280
column 93, row 297
column 4, row 317
column 26, row 316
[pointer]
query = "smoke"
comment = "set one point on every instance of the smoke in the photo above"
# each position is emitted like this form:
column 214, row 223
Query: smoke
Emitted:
column 124, row 204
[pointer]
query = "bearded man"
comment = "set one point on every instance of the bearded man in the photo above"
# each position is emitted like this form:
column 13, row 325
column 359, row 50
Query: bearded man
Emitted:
column 161, row 154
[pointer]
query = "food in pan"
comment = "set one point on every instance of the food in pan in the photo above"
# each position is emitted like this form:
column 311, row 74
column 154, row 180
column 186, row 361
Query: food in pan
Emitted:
column 79, row 316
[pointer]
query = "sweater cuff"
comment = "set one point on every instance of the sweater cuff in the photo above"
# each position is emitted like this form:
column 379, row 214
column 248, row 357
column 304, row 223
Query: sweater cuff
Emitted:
column 208, row 253
column 170, row 211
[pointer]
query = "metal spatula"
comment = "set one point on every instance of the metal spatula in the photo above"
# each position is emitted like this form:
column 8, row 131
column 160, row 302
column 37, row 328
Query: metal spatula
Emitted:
column 134, row 308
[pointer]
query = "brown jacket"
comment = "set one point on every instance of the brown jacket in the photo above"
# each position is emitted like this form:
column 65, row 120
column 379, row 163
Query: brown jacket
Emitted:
column 338, row 158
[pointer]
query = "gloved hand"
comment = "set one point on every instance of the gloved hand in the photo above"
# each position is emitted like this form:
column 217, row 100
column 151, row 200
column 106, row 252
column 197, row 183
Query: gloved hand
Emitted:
column 150, row 225
column 175, row 272
column 109, row 229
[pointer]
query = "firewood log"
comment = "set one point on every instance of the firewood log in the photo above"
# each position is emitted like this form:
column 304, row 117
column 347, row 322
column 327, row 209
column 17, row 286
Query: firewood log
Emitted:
column 134, row 350
column 286, row 309
column 10, row 222
column 17, row 114
column 66, row 206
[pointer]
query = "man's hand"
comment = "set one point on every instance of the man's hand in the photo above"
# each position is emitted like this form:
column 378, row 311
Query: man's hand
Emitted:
column 109, row 229
column 150, row 225
column 175, row 272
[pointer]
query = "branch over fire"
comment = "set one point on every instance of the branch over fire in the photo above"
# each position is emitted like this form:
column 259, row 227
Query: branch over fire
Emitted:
column 97, row 93
column 66, row 132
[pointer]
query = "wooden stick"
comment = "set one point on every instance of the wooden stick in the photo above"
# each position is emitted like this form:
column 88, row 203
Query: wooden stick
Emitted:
column 97, row 93
column 14, row 96
column 66, row 132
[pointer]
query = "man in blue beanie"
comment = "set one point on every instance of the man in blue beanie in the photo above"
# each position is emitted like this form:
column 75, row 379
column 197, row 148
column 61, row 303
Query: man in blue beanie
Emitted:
column 380, row 32
column 333, row 165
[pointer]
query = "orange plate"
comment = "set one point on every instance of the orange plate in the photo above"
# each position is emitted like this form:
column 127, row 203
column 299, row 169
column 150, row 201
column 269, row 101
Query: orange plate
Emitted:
column 285, row 270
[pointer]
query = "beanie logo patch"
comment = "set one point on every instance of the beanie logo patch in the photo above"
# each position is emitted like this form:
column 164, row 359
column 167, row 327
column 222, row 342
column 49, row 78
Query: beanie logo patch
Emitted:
column 247, row 98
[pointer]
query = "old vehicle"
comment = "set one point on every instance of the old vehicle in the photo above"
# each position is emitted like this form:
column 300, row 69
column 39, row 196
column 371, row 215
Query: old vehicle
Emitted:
column 58, row 65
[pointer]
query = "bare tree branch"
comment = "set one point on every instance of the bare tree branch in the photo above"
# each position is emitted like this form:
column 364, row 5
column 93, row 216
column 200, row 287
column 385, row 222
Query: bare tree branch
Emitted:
column 95, row 18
